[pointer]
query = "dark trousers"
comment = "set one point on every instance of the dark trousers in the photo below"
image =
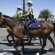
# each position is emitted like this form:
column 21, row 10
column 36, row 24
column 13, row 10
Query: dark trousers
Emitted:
column 31, row 19
column 27, row 25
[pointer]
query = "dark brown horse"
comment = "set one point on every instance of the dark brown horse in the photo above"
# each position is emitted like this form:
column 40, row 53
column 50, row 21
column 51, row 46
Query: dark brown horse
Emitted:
column 17, row 29
column 9, row 30
column 11, row 39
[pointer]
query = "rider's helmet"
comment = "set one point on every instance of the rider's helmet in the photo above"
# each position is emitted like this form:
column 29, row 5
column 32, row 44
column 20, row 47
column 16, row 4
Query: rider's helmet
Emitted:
column 29, row 2
column 19, row 8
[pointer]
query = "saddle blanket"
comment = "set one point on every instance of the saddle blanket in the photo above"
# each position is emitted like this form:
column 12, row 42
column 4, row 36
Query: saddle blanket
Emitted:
column 35, row 25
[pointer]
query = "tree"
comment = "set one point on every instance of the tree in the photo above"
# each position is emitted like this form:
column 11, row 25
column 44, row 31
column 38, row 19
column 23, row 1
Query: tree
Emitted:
column 45, row 13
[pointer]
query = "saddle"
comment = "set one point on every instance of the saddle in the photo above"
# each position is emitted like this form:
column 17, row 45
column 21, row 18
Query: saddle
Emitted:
column 35, row 25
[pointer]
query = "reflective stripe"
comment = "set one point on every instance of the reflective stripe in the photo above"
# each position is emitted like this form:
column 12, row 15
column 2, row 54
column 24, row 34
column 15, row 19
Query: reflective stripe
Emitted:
column 3, row 53
column 30, row 10
column 18, row 15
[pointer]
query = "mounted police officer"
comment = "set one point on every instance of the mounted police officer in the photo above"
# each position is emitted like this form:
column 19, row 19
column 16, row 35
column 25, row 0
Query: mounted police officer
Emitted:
column 30, row 16
column 18, row 14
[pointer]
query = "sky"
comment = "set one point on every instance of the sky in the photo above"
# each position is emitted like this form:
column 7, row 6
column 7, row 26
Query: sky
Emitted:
column 8, row 7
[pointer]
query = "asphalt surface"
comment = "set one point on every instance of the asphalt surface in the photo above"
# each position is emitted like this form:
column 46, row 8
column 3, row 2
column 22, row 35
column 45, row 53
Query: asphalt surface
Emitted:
column 33, row 49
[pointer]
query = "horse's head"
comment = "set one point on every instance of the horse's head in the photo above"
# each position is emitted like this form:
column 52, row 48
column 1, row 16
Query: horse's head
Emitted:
column 1, row 19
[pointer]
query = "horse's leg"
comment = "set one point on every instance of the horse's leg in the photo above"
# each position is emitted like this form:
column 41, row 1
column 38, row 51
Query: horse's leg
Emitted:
column 29, row 42
column 8, row 35
column 15, row 45
column 8, row 38
column 54, row 33
column 44, row 44
column 52, row 41
column 12, row 38
column 35, row 38
column 40, row 41
column 23, row 50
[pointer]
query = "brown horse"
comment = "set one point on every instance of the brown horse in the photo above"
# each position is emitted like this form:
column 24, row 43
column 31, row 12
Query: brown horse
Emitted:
column 18, row 30
column 10, row 35
column 9, row 30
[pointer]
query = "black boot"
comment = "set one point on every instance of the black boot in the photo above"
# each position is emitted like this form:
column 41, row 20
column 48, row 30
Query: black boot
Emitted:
column 27, row 32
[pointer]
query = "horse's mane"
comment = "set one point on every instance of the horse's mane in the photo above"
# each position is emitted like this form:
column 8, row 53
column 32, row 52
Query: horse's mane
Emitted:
column 8, row 16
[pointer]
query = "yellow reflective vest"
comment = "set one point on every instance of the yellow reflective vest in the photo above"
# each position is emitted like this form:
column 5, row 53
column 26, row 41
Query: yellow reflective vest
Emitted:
column 19, row 15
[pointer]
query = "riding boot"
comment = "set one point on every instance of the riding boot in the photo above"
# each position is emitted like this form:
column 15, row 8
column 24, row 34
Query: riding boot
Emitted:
column 27, row 31
column 27, row 26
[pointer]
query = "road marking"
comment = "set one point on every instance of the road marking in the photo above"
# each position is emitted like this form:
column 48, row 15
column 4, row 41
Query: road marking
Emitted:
column 9, row 49
column 37, row 53
column 3, row 53
column 46, row 48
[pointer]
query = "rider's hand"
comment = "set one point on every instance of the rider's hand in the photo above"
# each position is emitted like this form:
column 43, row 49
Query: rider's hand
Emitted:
column 22, row 16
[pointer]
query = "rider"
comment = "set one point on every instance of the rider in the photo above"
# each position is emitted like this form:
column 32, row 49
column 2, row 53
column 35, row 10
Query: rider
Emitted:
column 18, row 14
column 30, row 16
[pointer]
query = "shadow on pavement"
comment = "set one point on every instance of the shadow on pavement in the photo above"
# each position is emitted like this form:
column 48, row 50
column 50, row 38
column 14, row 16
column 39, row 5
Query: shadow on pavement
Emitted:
column 5, row 44
column 28, row 51
column 25, row 43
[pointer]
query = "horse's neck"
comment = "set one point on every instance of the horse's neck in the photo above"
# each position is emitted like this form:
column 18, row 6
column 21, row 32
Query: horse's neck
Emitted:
column 9, row 22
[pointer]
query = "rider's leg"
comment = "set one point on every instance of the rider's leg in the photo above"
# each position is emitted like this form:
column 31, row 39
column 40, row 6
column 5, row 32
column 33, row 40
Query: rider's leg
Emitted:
column 27, row 27
column 31, row 19
column 28, row 23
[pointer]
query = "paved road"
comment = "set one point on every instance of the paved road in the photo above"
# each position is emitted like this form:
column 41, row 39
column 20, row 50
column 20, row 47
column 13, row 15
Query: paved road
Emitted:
column 6, row 49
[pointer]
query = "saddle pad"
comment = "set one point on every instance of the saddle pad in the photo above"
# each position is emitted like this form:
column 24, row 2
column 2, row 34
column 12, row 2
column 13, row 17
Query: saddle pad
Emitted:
column 35, row 25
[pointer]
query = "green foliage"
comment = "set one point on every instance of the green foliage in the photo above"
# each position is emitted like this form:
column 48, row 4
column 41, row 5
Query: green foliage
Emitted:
column 45, row 13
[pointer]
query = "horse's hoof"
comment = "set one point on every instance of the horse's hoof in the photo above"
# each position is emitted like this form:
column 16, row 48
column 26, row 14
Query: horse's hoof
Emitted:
column 54, row 49
column 28, row 43
column 14, row 45
column 21, row 53
column 17, row 52
column 40, row 44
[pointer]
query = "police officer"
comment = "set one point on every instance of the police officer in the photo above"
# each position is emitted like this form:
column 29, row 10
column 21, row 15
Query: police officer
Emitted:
column 18, row 14
column 30, row 16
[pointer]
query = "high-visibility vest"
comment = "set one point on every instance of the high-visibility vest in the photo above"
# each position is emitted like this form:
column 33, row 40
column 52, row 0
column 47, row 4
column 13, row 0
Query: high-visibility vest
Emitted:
column 19, row 15
column 30, row 10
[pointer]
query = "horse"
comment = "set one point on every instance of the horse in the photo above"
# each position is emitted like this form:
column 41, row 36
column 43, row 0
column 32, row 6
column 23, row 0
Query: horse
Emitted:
column 11, row 42
column 9, row 30
column 18, row 31
column 9, row 34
